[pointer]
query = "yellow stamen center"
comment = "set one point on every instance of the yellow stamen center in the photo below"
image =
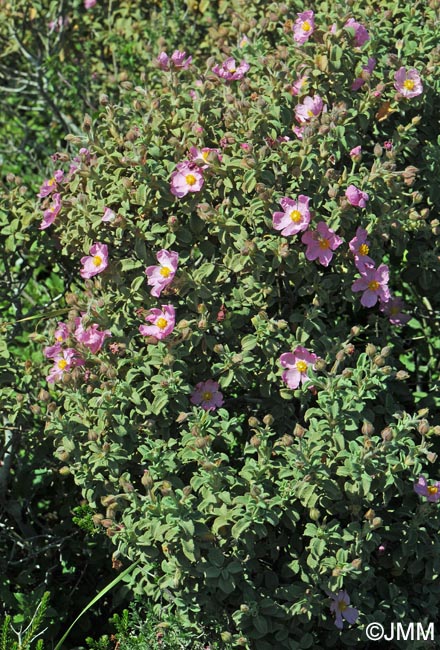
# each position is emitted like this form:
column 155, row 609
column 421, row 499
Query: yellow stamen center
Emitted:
column 190, row 179
column 408, row 84
column 310, row 113
column 161, row 323
column 363, row 249
column 295, row 215
column 165, row 272
column 324, row 243
column 52, row 181
column 342, row 606
column 97, row 260
column 59, row 338
column 306, row 26
column 432, row 490
column 301, row 366
column 205, row 155
column 373, row 285
column 62, row 363
column 207, row 395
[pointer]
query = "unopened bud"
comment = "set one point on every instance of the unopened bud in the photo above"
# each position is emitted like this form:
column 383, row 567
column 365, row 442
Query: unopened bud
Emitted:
column 377, row 522
column 369, row 515
column 423, row 427
column 314, row 514
column 253, row 422
column 367, row 428
column 299, row 431
column 255, row 441
column 371, row 349
column 387, row 434
column 146, row 480
column 356, row 563
column 268, row 420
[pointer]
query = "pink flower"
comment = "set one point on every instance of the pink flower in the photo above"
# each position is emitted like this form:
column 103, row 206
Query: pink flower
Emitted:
column 51, row 212
column 361, row 35
column 108, row 215
column 296, row 215
column 298, row 85
column 297, row 363
column 230, row 71
column 187, row 178
column 52, row 351
column 311, row 107
column 365, row 74
column 164, row 61
column 50, row 185
column 163, row 322
column 88, row 4
column 356, row 197
column 356, row 153
column 62, row 332
column 340, row 608
column 92, row 337
column 299, row 131
column 359, row 246
column 303, row 27
column 374, row 283
column 204, row 157
column 161, row 276
column 408, row 83
column 243, row 41
column 321, row 243
column 64, row 361
column 393, row 309
column 179, row 61
column 431, row 492
column 207, row 395
column 96, row 262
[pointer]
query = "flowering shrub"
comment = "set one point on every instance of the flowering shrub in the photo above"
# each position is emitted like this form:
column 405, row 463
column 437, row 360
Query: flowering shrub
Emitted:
column 254, row 444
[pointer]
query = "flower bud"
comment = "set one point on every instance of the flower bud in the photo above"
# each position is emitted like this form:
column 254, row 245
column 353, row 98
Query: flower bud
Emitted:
column 369, row 515
column 356, row 563
column 320, row 364
column 431, row 456
column 64, row 471
column 367, row 428
column 387, row 434
column 314, row 514
column 255, row 441
column 253, row 422
column 355, row 330
column 268, row 419
column 371, row 349
column 299, row 431
column 146, row 480
column 377, row 522
column 423, row 427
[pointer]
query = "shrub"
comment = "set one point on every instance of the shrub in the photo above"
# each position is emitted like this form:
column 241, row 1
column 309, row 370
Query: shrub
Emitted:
column 237, row 417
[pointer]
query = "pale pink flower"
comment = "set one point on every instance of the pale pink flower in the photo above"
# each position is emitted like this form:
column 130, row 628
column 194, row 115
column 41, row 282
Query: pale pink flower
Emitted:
column 341, row 609
column 161, row 276
column 321, row 243
column 359, row 246
column 408, row 83
column 50, row 214
column 394, row 310
column 356, row 197
column 96, row 262
column 204, row 157
column 356, row 153
column 431, row 492
column 63, row 362
column 92, row 337
column 187, row 178
column 50, row 185
column 243, row 41
column 361, row 35
column 374, row 284
column 88, row 4
column 297, row 363
column 230, row 71
column 162, row 320
column 207, row 395
column 296, row 215
column 303, row 27
column 109, row 215
column 310, row 108
column 299, row 131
